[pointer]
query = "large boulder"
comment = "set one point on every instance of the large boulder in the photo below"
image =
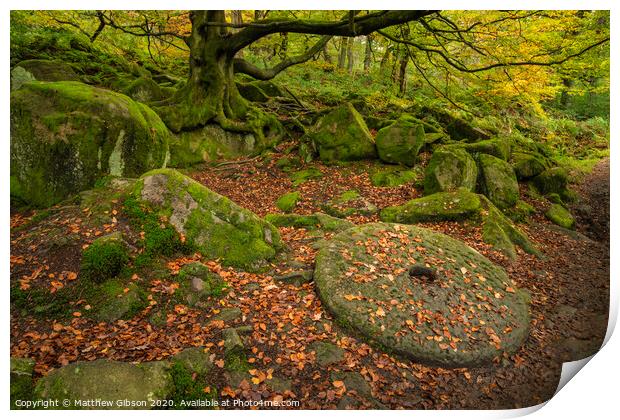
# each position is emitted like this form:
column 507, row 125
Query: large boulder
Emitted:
column 121, row 385
column 21, row 385
column 559, row 215
column 215, row 225
column 66, row 135
column 499, row 181
column 554, row 180
column 400, row 142
column 48, row 70
column 528, row 165
column 421, row 294
column 497, row 147
column 450, row 168
column 342, row 135
column 441, row 206
column 144, row 89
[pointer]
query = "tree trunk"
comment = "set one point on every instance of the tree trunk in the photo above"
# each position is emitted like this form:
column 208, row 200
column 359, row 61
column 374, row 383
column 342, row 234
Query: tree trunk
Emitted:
column 342, row 57
column 402, row 74
column 350, row 57
column 210, row 94
column 368, row 54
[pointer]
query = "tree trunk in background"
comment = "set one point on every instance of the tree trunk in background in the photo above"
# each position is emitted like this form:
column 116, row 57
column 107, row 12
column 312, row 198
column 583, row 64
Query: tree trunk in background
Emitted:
column 350, row 57
column 326, row 56
column 283, row 45
column 368, row 54
column 385, row 60
column 402, row 74
column 342, row 57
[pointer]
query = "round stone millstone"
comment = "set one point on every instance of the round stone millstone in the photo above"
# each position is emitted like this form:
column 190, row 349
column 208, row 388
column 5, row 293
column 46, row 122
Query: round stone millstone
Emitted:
column 421, row 294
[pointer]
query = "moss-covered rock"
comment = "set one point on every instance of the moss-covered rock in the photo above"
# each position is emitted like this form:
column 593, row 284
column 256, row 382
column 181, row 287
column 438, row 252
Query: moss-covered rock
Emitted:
column 49, row 70
column 559, row 215
column 500, row 232
column 208, row 144
column 450, row 168
column 21, row 380
column 326, row 353
column 252, row 92
column 84, row 133
column 19, row 76
column 108, row 380
column 498, row 147
column 400, row 142
column 455, row 126
column 342, row 135
column 553, row 180
column 144, row 89
column 104, row 258
column 421, row 294
column 457, row 205
column 311, row 221
column 349, row 203
column 197, row 283
column 528, row 165
column 498, row 181
column 215, row 225
column 288, row 201
column 392, row 177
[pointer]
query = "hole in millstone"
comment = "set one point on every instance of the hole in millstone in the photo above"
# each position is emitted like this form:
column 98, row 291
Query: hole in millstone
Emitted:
column 427, row 275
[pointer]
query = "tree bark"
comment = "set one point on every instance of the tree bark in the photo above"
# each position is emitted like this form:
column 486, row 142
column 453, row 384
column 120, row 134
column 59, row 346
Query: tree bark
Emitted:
column 350, row 57
column 368, row 54
column 342, row 54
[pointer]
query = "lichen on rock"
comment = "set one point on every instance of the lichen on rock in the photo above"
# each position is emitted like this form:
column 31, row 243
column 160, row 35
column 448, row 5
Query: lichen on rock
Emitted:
column 499, row 182
column 449, row 169
column 400, row 142
column 441, row 206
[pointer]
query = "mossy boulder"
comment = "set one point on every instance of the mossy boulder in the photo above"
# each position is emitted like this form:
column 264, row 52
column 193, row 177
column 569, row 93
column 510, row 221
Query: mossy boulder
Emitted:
column 197, row 283
column 208, row 144
column 349, row 203
column 21, row 380
column 342, row 135
column 215, row 225
column 392, row 177
column 449, row 169
column 108, row 380
column 528, row 165
column 498, row 147
column 441, row 206
column 311, row 221
column 252, row 92
column 421, row 294
column 49, row 70
column 326, row 353
column 144, row 89
column 84, row 133
column 498, row 181
column 104, row 258
column 559, row 215
column 288, row 201
column 553, row 180
column 501, row 233
column 400, row 142
column 455, row 126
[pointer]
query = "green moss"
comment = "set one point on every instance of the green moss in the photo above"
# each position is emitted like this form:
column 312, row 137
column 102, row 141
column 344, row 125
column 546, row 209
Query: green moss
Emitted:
column 197, row 283
column 441, row 206
column 188, row 386
column 450, row 168
column 520, row 211
column 401, row 142
column 288, row 201
column 498, row 180
column 559, row 215
column 85, row 133
column 392, row 177
column 115, row 300
column 104, row 258
column 528, row 165
column 21, row 385
column 292, row 220
column 304, row 175
column 212, row 223
column 342, row 135
column 552, row 180
column 500, row 148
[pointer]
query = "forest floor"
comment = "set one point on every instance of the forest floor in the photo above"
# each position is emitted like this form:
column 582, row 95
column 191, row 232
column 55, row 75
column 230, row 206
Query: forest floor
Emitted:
column 569, row 288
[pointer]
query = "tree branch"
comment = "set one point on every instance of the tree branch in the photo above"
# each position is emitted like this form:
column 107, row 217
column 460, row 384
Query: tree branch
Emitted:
column 465, row 69
column 243, row 66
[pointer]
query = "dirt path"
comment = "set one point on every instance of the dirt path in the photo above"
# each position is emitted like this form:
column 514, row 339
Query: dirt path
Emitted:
column 593, row 212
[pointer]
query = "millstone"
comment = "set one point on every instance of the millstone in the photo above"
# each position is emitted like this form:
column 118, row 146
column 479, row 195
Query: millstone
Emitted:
column 421, row 294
